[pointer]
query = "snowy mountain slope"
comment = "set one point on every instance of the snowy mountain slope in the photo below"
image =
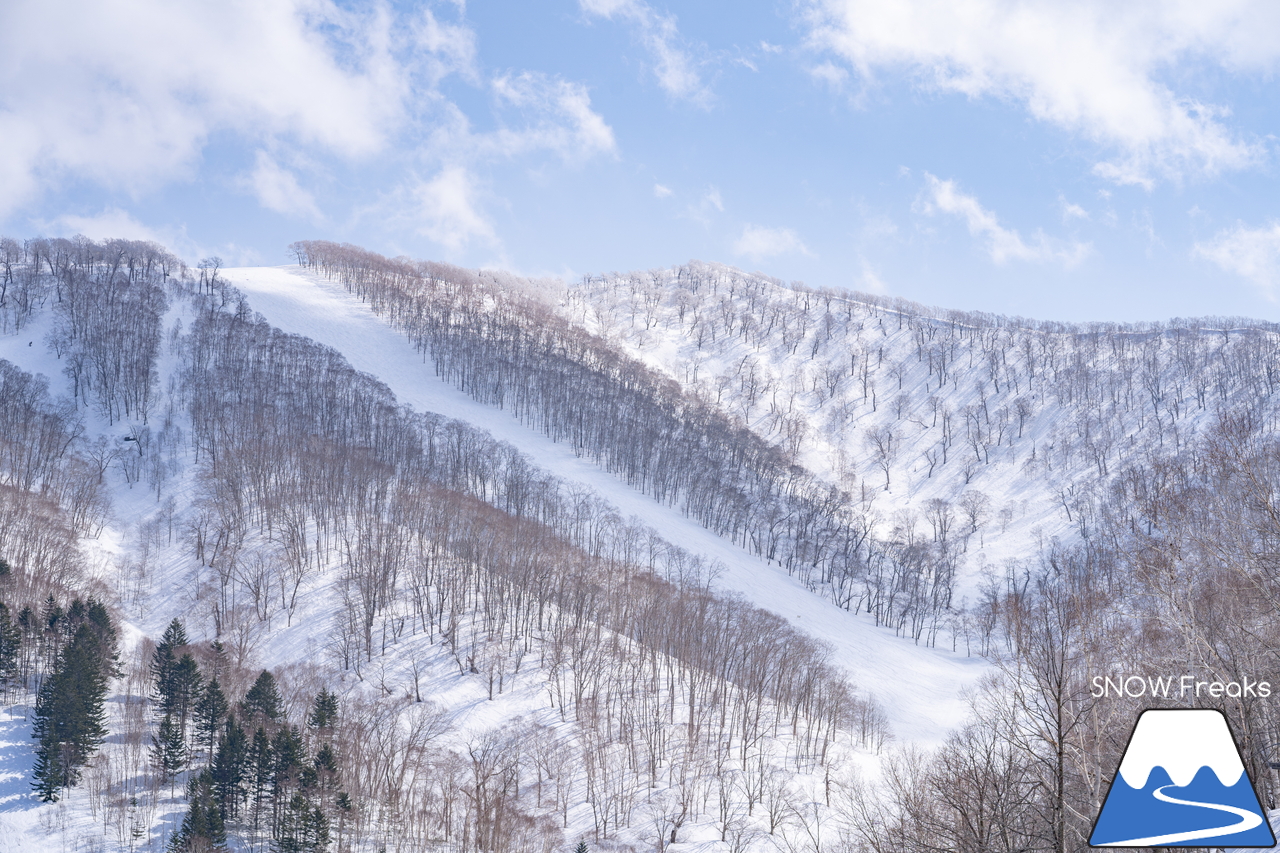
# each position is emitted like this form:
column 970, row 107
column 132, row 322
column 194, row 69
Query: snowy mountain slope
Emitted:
column 265, row 458
column 921, row 405
column 154, row 576
column 920, row 688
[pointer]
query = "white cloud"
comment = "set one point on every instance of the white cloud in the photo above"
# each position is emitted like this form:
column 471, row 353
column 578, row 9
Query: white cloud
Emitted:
column 707, row 207
column 659, row 191
column 1094, row 68
column 444, row 209
column 114, row 222
column 1002, row 244
column 563, row 120
column 110, row 224
column 869, row 281
column 676, row 71
column 830, row 74
column 759, row 242
column 1072, row 211
column 276, row 188
column 1252, row 253
column 451, row 49
column 127, row 93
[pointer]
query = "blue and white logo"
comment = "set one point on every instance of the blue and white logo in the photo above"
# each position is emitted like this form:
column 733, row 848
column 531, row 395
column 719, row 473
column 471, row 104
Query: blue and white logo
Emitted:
column 1181, row 784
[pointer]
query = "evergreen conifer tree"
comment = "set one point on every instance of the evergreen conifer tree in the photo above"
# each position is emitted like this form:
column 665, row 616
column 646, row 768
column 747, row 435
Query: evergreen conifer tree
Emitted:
column 326, row 766
column 263, row 698
column 259, row 766
column 183, row 690
column 97, row 617
column 303, row 828
column 10, row 647
column 229, row 767
column 70, row 717
column 288, row 757
column 168, row 748
column 204, row 826
column 324, row 710
column 211, row 708
column 164, row 660
column 52, row 621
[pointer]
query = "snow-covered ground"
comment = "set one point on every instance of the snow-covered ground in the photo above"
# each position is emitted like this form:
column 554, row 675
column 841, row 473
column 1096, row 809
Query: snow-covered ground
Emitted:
column 920, row 688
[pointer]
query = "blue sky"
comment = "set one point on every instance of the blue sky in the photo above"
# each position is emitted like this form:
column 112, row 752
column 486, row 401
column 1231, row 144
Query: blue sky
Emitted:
column 1058, row 161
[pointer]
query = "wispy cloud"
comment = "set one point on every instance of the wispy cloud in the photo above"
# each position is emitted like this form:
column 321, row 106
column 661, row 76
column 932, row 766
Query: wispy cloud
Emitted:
column 1252, row 253
column 1072, row 211
column 112, row 222
column 558, row 116
column 869, row 281
column 1002, row 244
column 830, row 74
column 1093, row 68
column 673, row 65
column 446, row 210
column 127, row 94
column 277, row 188
column 759, row 242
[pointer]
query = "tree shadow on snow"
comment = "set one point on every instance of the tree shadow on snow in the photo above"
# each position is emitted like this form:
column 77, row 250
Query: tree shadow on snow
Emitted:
column 17, row 754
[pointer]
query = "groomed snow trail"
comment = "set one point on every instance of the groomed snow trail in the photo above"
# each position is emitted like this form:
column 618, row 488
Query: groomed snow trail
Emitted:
column 920, row 688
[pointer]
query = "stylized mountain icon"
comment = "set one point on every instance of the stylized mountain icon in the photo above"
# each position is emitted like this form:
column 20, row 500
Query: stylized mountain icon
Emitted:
column 1181, row 784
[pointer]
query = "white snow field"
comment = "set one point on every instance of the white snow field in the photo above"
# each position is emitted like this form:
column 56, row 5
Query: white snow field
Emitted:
column 920, row 688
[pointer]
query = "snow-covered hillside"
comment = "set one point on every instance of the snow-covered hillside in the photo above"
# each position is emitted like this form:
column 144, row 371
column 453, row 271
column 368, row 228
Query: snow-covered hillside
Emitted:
column 919, row 687
column 143, row 556
column 920, row 407
column 649, row 560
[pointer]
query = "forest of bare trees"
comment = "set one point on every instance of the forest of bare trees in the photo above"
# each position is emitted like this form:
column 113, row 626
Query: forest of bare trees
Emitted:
column 510, row 349
column 307, row 475
column 284, row 486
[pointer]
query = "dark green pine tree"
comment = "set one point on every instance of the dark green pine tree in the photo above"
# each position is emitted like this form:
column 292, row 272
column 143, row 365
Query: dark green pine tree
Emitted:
column 99, row 619
column 581, row 848
column 288, row 757
column 184, row 689
column 165, row 659
column 70, row 720
column 326, row 766
column 229, row 767
column 211, row 709
column 203, row 828
column 259, row 766
column 10, row 648
column 315, row 831
column 52, row 620
column 168, row 749
column 324, row 710
column 263, row 698
column 346, row 809
column 303, row 828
